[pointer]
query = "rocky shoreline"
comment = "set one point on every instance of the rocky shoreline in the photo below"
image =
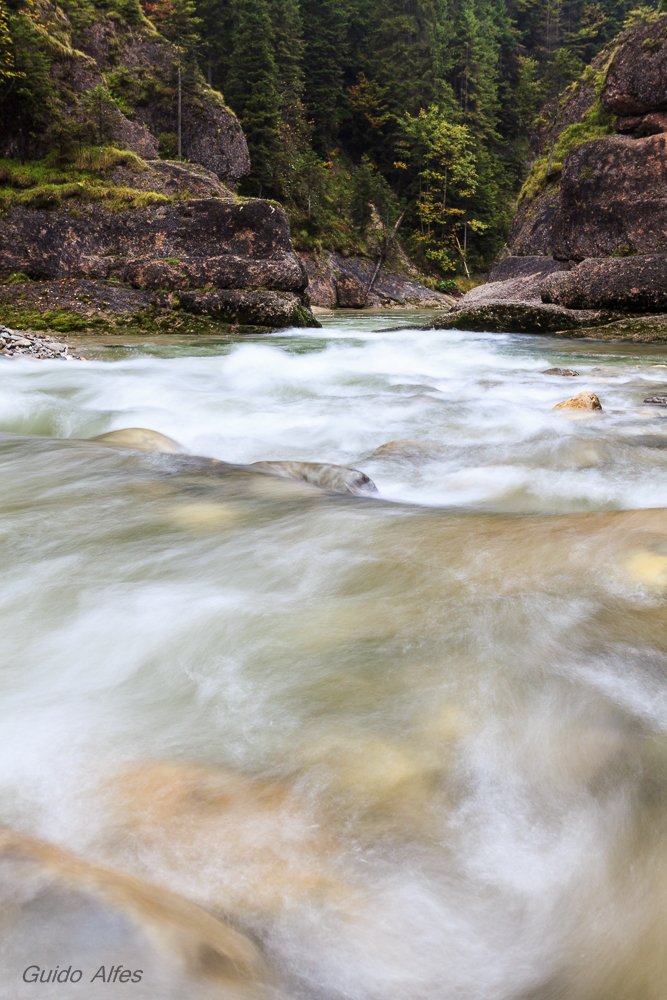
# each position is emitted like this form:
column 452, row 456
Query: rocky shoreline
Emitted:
column 17, row 344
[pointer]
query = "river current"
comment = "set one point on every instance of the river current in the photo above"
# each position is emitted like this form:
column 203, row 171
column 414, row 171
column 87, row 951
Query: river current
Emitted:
column 428, row 729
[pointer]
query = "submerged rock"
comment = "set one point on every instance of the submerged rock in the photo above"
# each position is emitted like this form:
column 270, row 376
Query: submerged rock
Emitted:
column 51, row 897
column 656, row 400
column 327, row 477
column 237, row 845
column 141, row 439
column 583, row 401
column 560, row 371
column 406, row 448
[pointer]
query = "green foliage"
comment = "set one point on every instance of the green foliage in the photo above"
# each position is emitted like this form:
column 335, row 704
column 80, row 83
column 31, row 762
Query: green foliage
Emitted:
column 167, row 145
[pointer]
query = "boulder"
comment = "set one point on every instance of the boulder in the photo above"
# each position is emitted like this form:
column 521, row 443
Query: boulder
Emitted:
column 171, row 178
column 506, row 316
column 649, row 329
column 613, row 199
column 583, row 401
column 518, row 279
column 141, row 439
column 635, row 80
column 240, row 253
column 631, row 284
column 249, row 307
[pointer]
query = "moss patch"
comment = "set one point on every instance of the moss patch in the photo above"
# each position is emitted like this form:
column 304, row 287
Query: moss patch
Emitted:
column 148, row 322
column 48, row 183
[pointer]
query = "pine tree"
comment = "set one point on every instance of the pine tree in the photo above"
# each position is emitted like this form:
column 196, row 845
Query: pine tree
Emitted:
column 252, row 90
column 325, row 33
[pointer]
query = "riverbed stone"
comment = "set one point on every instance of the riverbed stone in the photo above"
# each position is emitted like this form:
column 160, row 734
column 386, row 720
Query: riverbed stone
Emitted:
column 328, row 477
column 172, row 940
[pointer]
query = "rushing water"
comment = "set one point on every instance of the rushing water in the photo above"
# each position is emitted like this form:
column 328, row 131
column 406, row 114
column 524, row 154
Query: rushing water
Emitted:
column 431, row 727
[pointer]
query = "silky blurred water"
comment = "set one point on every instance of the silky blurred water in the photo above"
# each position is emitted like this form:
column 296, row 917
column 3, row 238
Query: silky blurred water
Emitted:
column 460, row 683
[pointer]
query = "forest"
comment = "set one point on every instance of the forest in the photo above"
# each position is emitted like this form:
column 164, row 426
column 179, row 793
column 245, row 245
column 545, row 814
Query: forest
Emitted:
column 367, row 117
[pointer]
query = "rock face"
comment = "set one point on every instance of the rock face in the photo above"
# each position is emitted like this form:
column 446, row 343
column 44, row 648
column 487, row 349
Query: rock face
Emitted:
column 211, row 133
column 531, row 232
column 635, row 82
column 336, row 281
column 613, row 199
column 239, row 254
column 633, row 284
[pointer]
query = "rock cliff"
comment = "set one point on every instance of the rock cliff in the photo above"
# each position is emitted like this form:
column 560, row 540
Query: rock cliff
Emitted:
column 594, row 205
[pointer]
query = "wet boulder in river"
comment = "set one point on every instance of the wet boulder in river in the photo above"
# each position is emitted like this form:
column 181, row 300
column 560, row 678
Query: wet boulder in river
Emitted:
column 328, row 477
column 141, row 439
column 583, row 401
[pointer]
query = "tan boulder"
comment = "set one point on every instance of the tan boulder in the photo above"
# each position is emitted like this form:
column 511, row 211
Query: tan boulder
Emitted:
column 141, row 439
column 582, row 401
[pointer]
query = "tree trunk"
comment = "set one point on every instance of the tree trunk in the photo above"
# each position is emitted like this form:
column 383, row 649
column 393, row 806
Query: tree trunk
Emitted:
column 179, row 105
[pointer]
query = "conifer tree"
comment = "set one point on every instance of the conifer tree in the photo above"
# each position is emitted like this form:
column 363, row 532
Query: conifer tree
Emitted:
column 252, row 90
column 325, row 33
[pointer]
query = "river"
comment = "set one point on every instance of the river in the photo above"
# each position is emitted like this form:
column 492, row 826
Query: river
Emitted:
column 436, row 718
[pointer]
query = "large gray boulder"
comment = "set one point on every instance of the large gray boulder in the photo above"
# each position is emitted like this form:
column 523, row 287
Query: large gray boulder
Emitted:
column 632, row 284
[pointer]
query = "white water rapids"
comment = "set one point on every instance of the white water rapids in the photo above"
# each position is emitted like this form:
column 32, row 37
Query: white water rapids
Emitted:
column 459, row 687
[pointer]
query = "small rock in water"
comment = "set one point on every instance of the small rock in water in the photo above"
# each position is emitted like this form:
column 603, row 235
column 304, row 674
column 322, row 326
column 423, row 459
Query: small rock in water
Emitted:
column 328, row 477
column 583, row 401
column 656, row 400
column 560, row 371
